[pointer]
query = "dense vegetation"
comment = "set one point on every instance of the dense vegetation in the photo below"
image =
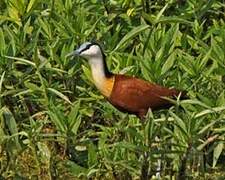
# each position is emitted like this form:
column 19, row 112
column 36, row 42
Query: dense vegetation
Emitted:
column 54, row 124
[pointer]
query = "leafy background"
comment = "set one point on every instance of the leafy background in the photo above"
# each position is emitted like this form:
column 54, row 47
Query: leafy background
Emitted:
column 54, row 124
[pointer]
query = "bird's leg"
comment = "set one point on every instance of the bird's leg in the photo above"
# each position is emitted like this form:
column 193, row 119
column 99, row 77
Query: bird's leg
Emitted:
column 142, row 114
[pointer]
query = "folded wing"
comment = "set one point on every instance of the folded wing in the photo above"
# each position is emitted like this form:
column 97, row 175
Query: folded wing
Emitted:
column 136, row 96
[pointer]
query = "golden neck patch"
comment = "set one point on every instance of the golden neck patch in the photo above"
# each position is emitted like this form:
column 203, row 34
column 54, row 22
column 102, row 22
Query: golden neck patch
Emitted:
column 104, row 85
column 107, row 86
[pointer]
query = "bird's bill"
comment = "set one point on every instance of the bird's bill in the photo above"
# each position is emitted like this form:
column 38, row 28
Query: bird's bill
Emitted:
column 73, row 53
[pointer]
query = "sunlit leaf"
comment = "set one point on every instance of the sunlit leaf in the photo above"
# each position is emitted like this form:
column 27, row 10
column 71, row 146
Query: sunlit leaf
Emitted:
column 217, row 152
column 134, row 32
column 61, row 95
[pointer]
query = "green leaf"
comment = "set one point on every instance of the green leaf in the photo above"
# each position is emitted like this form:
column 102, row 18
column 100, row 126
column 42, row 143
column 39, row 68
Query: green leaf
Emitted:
column 134, row 32
column 57, row 118
column 2, row 42
column 192, row 101
column 169, row 63
column 32, row 86
column 180, row 124
column 61, row 95
column 161, row 13
column 31, row 5
column 74, row 118
column 87, row 73
column 1, row 81
column 210, row 111
column 22, row 60
column 75, row 169
column 12, row 128
column 207, row 127
column 217, row 152
column 92, row 155
column 205, row 59
column 46, row 28
column 174, row 19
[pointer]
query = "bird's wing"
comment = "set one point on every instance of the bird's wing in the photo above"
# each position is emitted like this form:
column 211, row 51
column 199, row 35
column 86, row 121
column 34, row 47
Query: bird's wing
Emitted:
column 133, row 94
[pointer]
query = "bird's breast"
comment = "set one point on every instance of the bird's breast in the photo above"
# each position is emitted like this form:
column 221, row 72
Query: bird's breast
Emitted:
column 108, row 86
column 105, row 85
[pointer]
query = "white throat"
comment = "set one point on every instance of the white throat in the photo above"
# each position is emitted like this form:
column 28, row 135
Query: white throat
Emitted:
column 98, row 73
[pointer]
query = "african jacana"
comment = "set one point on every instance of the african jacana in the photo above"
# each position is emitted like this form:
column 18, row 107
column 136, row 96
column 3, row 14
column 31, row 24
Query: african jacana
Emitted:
column 126, row 93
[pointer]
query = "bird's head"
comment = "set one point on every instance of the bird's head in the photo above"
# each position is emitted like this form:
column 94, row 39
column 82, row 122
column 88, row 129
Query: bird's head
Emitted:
column 93, row 52
column 89, row 51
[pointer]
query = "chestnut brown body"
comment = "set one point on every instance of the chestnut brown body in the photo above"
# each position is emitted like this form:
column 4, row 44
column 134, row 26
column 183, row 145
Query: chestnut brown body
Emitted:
column 136, row 96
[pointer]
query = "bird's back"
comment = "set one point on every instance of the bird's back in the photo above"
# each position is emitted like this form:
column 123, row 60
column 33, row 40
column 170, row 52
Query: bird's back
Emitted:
column 136, row 96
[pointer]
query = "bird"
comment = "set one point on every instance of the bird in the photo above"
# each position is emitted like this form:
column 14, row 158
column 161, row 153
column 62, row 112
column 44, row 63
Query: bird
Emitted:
column 128, row 94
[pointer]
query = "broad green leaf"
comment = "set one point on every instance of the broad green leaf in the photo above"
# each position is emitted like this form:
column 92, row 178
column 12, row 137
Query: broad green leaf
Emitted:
column 92, row 155
column 205, row 59
column 207, row 127
column 31, row 5
column 6, row 18
column 161, row 13
column 169, row 63
column 217, row 152
column 22, row 60
column 129, row 36
column 32, row 86
column 46, row 28
column 11, row 125
column 61, row 95
column 74, row 118
column 180, row 124
column 14, row 15
column 57, row 118
column 75, row 169
column 87, row 73
column 194, row 101
column 210, row 111
column 174, row 19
